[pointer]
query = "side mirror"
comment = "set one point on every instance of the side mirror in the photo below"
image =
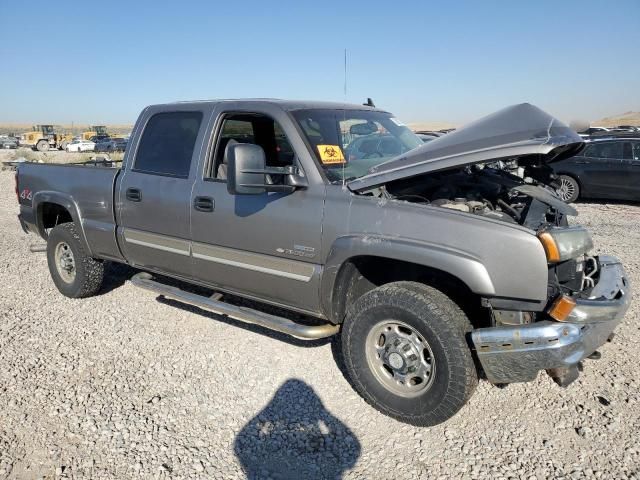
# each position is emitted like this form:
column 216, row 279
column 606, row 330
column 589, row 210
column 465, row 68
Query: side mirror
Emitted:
column 247, row 172
column 245, row 163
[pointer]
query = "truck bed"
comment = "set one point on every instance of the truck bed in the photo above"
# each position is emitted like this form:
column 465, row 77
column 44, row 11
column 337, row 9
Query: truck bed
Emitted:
column 86, row 191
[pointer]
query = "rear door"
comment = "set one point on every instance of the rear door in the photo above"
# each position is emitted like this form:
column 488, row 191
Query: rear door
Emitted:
column 602, row 168
column 631, row 159
column 155, row 190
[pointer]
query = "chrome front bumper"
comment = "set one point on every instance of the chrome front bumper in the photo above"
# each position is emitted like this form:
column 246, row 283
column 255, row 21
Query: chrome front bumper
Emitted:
column 517, row 353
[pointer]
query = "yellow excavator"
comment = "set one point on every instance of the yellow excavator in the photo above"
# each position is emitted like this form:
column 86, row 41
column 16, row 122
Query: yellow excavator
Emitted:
column 95, row 131
column 45, row 137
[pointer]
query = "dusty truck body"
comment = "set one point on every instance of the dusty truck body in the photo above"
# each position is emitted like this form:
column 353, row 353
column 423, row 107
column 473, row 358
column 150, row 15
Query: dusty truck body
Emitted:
column 433, row 267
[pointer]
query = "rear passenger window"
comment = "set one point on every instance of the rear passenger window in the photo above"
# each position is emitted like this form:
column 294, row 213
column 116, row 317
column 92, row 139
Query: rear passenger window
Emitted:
column 167, row 144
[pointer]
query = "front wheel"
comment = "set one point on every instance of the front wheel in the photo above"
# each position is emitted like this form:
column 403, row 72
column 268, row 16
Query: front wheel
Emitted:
column 405, row 352
column 75, row 274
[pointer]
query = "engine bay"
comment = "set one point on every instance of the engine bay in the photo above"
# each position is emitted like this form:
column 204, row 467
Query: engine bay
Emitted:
column 489, row 191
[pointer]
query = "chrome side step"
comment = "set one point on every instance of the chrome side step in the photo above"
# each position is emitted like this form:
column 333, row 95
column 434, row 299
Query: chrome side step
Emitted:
column 38, row 247
column 244, row 314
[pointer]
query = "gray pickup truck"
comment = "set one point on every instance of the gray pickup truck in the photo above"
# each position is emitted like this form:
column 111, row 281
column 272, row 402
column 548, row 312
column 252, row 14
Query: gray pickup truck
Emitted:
column 435, row 266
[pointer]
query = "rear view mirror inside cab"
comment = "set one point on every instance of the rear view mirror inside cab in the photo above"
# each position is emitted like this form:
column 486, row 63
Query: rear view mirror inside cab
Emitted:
column 363, row 128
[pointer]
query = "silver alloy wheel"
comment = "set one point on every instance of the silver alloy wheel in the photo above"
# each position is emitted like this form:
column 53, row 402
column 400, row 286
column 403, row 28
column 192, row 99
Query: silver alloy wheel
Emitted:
column 65, row 262
column 567, row 189
column 400, row 358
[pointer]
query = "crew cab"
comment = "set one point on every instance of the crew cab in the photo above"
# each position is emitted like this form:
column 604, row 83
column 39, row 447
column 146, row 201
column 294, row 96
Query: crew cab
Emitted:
column 433, row 268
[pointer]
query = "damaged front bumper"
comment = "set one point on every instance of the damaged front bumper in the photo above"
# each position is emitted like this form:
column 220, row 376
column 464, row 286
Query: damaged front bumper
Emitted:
column 510, row 354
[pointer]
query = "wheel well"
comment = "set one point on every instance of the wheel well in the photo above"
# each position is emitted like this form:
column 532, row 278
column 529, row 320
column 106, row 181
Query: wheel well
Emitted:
column 361, row 274
column 52, row 214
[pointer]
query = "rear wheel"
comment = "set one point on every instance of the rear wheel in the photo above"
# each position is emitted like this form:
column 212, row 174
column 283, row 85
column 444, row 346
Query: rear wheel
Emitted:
column 405, row 352
column 42, row 146
column 63, row 145
column 569, row 190
column 75, row 274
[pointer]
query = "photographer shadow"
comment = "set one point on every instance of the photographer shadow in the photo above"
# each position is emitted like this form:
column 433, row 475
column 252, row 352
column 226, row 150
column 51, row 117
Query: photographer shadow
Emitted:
column 295, row 437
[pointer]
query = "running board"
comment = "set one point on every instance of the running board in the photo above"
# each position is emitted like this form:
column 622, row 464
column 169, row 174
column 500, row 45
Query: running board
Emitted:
column 244, row 314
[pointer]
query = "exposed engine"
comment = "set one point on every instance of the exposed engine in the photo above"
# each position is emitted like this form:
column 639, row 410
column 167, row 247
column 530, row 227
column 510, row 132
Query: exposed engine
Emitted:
column 485, row 191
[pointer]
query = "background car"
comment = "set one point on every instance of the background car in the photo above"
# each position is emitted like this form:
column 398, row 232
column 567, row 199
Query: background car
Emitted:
column 99, row 138
column 8, row 142
column 591, row 130
column 625, row 129
column 431, row 133
column 425, row 137
column 112, row 145
column 373, row 146
column 81, row 146
column 606, row 168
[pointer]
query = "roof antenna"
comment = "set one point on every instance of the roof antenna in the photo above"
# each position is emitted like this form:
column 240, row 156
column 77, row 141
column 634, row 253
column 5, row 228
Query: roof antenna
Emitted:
column 345, row 73
column 344, row 112
column 369, row 103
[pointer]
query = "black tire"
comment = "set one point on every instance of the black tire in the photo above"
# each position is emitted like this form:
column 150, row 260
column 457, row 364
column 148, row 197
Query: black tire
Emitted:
column 569, row 189
column 444, row 327
column 88, row 272
column 42, row 146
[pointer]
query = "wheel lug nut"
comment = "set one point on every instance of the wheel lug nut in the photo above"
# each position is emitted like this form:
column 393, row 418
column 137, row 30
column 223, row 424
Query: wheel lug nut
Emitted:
column 406, row 348
column 412, row 357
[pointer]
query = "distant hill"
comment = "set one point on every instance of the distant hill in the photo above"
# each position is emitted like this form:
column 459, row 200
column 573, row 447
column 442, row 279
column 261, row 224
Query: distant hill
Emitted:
column 627, row 118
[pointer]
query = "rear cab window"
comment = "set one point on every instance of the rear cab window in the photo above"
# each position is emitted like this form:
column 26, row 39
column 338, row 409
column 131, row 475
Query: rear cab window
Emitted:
column 167, row 144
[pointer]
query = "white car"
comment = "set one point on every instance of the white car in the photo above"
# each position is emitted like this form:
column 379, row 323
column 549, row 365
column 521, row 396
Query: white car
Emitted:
column 81, row 146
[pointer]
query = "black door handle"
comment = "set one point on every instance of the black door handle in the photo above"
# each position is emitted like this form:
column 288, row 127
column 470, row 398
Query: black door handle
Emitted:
column 133, row 194
column 203, row 204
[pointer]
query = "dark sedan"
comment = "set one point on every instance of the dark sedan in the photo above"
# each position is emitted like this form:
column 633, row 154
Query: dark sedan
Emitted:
column 112, row 145
column 8, row 142
column 606, row 168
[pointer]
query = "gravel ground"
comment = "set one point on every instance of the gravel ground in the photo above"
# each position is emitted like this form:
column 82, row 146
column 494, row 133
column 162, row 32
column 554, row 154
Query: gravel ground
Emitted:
column 123, row 385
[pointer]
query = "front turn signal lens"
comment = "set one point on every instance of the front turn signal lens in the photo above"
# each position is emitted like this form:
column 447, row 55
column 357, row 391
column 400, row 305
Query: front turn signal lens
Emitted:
column 561, row 308
column 550, row 247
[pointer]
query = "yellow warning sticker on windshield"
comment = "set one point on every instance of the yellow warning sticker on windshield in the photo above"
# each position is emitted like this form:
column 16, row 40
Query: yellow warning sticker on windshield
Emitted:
column 330, row 154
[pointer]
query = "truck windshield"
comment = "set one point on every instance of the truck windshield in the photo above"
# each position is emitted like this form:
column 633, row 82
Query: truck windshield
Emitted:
column 347, row 143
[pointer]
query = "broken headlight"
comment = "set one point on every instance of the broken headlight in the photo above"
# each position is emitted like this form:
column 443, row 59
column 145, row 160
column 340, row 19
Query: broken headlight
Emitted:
column 561, row 244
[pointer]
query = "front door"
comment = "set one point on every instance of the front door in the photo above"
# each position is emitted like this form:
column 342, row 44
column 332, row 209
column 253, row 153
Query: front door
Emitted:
column 267, row 245
column 155, row 192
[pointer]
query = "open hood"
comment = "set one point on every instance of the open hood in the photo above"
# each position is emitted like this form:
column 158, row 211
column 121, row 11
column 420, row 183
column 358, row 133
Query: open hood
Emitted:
column 513, row 132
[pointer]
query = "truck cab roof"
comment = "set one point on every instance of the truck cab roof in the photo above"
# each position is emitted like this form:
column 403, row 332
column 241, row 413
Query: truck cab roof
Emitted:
column 284, row 104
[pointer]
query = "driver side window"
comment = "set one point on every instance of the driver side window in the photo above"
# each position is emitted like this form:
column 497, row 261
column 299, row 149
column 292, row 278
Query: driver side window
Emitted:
column 255, row 129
